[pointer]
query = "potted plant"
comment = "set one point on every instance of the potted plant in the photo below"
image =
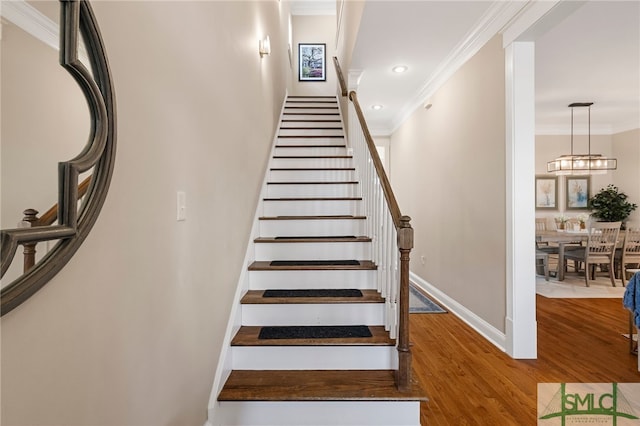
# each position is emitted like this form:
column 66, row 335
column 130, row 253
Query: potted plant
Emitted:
column 611, row 205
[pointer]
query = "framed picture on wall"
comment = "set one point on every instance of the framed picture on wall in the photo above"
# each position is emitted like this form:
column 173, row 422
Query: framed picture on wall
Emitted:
column 312, row 62
column 546, row 192
column 577, row 191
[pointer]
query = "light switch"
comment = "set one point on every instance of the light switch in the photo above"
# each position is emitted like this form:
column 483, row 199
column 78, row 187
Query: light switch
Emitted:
column 182, row 206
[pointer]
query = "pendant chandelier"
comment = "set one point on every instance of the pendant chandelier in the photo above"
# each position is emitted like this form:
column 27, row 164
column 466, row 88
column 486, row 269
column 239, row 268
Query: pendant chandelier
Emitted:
column 581, row 164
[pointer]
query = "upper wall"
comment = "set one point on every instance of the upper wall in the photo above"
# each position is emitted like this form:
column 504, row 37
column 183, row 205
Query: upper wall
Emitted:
column 130, row 331
column 448, row 172
column 315, row 29
column 626, row 148
column 623, row 146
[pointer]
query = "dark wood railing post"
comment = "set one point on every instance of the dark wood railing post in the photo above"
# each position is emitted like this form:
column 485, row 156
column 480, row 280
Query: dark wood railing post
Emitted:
column 405, row 244
column 29, row 252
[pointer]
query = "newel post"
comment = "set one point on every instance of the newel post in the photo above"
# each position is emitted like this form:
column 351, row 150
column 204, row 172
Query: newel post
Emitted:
column 30, row 217
column 405, row 244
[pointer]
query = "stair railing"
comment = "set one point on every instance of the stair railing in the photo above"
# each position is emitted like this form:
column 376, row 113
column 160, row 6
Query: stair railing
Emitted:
column 391, row 233
column 31, row 220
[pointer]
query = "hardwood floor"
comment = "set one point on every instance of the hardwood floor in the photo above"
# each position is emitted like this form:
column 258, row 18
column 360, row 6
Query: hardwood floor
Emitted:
column 471, row 382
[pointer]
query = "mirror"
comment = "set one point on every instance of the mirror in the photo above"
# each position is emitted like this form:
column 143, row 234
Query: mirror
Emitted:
column 45, row 120
column 58, row 132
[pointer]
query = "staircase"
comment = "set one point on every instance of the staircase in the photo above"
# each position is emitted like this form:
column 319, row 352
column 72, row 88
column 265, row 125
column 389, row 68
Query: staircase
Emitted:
column 312, row 348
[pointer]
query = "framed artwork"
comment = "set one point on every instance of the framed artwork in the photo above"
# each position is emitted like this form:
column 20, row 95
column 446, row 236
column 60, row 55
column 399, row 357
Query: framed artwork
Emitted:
column 546, row 192
column 312, row 62
column 577, row 192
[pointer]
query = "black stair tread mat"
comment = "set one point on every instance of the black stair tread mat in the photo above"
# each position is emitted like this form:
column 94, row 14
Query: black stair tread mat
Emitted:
column 313, row 262
column 314, row 332
column 320, row 292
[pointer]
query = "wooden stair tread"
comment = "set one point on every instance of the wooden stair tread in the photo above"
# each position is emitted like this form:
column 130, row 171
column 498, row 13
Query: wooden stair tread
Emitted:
column 309, row 136
column 317, row 385
column 311, row 113
column 265, row 265
column 310, row 128
column 315, row 199
column 311, row 107
column 311, row 146
column 247, row 335
column 310, row 239
column 312, row 102
column 312, row 217
column 347, row 182
column 254, row 297
column 307, row 169
column 311, row 156
column 293, row 120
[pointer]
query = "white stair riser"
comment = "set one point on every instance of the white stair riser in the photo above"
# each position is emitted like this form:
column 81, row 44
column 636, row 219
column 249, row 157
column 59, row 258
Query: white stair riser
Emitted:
column 311, row 117
column 310, row 103
column 324, row 151
column 313, row 314
column 318, row 227
column 304, row 413
column 311, row 175
column 309, row 141
column 312, row 208
column 312, row 124
column 296, row 279
column 309, row 190
column 279, row 163
column 324, row 110
column 314, row 357
column 313, row 251
column 311, row 132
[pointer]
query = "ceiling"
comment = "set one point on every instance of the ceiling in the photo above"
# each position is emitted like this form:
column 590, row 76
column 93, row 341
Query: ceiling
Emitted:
column 593, row 55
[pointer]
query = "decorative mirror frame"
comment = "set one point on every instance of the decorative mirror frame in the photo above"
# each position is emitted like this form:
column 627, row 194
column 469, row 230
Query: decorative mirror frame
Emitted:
column 76, row 20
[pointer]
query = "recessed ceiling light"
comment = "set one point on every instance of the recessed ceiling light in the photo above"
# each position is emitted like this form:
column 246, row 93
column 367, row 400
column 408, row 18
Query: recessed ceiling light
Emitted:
column 376, row 107
column 399, row 68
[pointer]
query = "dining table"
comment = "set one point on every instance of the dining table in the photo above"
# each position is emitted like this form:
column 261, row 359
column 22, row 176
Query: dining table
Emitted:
column 563, row 238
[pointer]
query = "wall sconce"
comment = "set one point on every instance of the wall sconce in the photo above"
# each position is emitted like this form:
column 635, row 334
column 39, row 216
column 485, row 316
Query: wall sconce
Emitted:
column 264, row 46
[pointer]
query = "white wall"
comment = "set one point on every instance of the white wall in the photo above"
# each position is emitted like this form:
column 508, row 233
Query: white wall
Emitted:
column 450, row 178
column 315, row 29
column 130, row 331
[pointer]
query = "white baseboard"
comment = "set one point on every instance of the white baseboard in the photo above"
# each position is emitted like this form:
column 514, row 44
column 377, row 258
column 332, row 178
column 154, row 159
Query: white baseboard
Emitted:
column 489, row 332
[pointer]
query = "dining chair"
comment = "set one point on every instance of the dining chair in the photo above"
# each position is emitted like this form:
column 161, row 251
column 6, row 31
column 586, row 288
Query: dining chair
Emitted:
column 541, row 226
column 600, row 249
column 629, row 254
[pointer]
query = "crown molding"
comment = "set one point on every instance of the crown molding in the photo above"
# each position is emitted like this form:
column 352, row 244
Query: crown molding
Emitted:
column 498, row 15
column 31, row 20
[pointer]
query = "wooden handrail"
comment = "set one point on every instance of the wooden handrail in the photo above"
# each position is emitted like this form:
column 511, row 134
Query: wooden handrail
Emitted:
column 51, row 215
column 47, row 219
column 404, row 239
column 377, row 163
column 343, row 84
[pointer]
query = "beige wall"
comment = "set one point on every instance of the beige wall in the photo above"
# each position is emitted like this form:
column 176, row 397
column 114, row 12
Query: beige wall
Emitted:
column 348, row 15
column 129, row 333
column 315, row 29
column 624, row 146
column 450, row 178
column 549, row 147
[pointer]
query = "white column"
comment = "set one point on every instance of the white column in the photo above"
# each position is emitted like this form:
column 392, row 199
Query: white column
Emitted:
column 521, row 326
